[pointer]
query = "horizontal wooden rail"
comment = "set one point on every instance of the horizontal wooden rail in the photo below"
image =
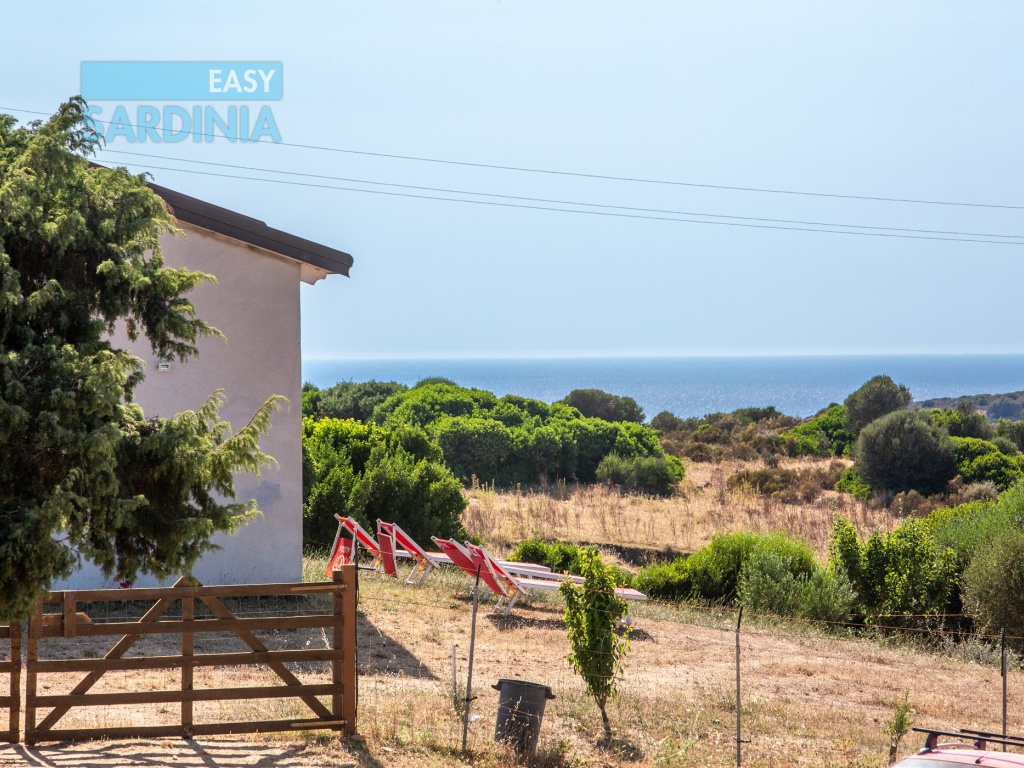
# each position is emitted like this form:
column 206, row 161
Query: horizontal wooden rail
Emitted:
column 240, row 658
column 176, row 627
column 202, row 729
column 287, row 589
column 173, row 697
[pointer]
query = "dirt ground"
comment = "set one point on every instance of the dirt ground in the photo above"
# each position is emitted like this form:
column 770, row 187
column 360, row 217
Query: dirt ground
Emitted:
column 808, row 698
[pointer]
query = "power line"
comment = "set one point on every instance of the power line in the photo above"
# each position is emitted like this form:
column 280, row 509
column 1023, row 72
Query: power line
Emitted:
column 584, row 212
column 577, row 174
column 570, row 202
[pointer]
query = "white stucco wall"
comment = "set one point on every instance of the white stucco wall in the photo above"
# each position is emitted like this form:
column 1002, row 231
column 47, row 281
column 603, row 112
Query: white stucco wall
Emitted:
column 255, row 304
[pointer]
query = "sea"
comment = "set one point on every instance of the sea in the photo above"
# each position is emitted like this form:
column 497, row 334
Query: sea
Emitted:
column 695, row 386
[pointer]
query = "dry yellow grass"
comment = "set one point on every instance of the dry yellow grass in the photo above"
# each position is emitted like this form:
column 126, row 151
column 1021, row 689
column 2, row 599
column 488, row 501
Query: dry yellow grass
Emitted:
column 599, row 515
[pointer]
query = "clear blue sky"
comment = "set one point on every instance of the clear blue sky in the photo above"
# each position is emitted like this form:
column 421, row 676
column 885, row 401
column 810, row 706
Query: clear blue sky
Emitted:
column 908, row 100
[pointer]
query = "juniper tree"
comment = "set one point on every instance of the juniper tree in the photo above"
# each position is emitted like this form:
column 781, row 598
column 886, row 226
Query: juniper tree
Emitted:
column 83, row 472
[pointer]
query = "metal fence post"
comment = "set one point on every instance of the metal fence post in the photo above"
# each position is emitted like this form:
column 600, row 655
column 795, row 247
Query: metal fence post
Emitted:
column 472, row 648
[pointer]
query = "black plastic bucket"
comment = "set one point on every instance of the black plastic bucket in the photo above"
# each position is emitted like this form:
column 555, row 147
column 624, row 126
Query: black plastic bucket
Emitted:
column 520, row 713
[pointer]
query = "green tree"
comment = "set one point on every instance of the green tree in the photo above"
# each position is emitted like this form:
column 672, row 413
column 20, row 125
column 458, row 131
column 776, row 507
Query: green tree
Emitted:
column 84, row 474
column 599, row 404
column 993, row 584
column 592, row 615
column 347, row 399
column 963, row 421
column 905, row 451
column 876, row 398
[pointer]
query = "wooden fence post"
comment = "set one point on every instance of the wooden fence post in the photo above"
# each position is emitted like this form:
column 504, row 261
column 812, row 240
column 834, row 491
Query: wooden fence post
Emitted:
column 35, row 632
column 188, row 613
column 15, row 711
column 343, row 671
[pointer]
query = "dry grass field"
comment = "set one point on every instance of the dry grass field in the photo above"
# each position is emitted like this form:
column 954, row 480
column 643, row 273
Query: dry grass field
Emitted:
column 599, row 515
column 810, row 698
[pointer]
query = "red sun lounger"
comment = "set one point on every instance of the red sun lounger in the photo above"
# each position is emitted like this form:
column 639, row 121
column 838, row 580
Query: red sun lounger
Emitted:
column 386, row 539
column 547, row 582
column 346, row 551
column 424, row 562
column 461, row 557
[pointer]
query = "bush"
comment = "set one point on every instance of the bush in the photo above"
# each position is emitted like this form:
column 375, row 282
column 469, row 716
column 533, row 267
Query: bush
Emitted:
column 822, row 435
column 530, row 551
column 898, row 572
column 827, row 595
column 613, row 470
column 597, row 404
column 994, row 583
column 850, row 482
column 876, row 398
column 667, row 422
column 369, row 472
column 648, row 475
column 1006, row 445
column 664, row 581
column 767, row 583
column 788, row 484
column 712, row 573
column 963, row 421
column 347, row 400
column 903, row 451
column 773, row 582
column 1011, row 430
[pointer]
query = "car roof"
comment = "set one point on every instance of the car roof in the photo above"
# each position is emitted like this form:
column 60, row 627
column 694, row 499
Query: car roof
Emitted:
column 965, row 756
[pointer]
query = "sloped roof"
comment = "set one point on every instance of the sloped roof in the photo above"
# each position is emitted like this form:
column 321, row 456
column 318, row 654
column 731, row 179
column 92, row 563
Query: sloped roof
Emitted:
column 253, row 231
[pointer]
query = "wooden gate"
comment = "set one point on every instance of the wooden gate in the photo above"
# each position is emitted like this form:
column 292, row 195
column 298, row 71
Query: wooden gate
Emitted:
column 12, row 668
column 69, row 622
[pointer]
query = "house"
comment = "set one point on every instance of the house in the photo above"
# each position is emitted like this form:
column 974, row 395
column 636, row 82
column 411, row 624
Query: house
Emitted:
column 255, row 304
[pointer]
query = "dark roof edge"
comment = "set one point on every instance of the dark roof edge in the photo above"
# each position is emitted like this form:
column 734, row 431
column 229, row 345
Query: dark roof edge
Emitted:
column 200, row 213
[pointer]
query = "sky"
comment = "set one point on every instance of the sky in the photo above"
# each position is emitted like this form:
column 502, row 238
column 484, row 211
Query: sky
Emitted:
column 909, row 100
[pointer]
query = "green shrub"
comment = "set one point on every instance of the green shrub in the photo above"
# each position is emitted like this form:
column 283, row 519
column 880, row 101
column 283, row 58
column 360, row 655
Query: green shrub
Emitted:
column 530, row 551
column 667, row 422
column 850, row 482
column 712, row 573
column 367, row 471
column 664, row 581
column 904, row 450
column 876, row 398
column 648, row 475
column 1011, row 430
column 827, row 595
column 613, row 470
column 822, row 435
column 1006, row 445
column 898, row 572
column 767, row 583
column 994, row 583
column 347, row 399
column 597, row 404
column 776, row 583
column 963, row 421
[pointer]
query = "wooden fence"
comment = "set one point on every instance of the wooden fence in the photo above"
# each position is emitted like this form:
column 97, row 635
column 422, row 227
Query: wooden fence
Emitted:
column 68, row 621
column 12, row 668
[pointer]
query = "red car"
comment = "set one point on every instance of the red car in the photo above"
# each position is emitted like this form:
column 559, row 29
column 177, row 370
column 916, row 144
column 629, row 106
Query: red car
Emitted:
column 964, row 748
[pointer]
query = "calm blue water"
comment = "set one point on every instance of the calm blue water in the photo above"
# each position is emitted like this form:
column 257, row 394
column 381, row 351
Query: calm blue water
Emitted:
column 694, row 386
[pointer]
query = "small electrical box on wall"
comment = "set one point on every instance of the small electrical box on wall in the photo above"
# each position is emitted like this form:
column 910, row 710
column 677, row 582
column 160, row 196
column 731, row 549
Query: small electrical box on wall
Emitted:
column 164, row 366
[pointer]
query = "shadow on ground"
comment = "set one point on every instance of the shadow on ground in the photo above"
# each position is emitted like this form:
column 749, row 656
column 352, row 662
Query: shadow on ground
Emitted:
column 204, row 753
column 381, row 654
